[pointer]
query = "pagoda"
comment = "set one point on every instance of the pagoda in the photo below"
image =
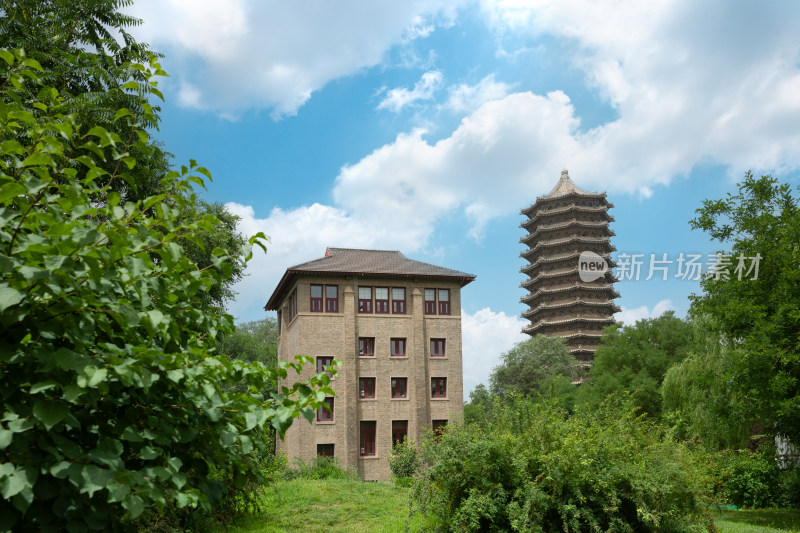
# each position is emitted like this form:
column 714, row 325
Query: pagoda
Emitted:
column 564, row 228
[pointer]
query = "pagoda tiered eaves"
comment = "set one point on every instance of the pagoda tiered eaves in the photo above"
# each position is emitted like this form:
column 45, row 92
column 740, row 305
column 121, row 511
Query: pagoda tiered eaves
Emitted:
column 561, row 226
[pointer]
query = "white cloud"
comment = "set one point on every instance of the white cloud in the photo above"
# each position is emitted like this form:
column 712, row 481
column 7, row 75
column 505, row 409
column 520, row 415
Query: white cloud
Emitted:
column 631, row 316
column 244, row 54
column 688, row 85
column 485, row 336
column 464, row 98
column 299, row 235
column 397, row 99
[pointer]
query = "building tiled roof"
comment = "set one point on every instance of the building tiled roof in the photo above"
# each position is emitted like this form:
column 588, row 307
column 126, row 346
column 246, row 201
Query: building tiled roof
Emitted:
column 373, row 263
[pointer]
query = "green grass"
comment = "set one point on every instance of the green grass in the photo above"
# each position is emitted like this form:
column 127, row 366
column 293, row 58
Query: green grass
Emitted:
column 335, row 505
column 758, row 521
column 350, row 505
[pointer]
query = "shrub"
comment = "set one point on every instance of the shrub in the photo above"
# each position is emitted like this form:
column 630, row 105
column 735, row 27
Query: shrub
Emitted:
column 533, row 468
column 404, row 462
column 747, row 479
column 320, row 467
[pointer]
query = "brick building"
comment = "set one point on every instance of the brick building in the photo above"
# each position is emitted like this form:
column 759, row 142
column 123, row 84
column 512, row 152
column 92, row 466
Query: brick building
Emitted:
column 561, row 302
column 395, row 324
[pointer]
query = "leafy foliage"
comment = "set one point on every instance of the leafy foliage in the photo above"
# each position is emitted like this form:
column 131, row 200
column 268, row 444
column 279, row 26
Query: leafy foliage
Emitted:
column 761, row 316
column 530, row 365
column 111, row 395
column 532, row 468
column 698, row 402
column 635, row 359
column 404, row 461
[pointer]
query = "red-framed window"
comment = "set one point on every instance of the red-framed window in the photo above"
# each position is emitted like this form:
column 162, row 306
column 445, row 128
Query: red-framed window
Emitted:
column 366, row 346
column 325, row 450
column 430, row 301
column 323, row 362
column 316, row 298
column 325, row 413
column 399, row 387
column 365, row 299
column 438, row 387
column 437, row 348
column 438, row 426
column 399, row 431
column 382, row 300
column 366, row 387
column 367, row 438
column 444, row 301
column 331, row 298
column 398, row 347
column 398, row 301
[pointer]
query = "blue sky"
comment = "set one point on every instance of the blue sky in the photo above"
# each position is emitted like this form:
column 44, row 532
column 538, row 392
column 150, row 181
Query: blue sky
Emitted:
column 425, row 126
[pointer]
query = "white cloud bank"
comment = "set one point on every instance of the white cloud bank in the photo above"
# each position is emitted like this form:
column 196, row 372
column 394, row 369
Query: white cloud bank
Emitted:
column 244, row 54
column 632, row 316
column 424, row 89
column 485, row 336
column 692, row 83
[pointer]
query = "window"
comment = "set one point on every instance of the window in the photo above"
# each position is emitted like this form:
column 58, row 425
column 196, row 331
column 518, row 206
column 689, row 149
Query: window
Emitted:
column 291, row 307
column 430, row 301
column 438, row 426
column 331, row 298
column 438, row 387
column 398, row 347
column 366, row 346
column 381, row 300
column 325, row 413
column 366, row 387
column 444, row 301
column 399, row 387
column 367, row 438
column 399, row 301
column 437, row 347
column 324, row 362
column 325, row 450
column 399, row 431
column 316, row 298
column 365, row 299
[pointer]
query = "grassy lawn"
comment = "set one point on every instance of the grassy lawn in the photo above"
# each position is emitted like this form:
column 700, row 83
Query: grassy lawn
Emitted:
column 346, row 505
column 335, row 505
column 758, row 521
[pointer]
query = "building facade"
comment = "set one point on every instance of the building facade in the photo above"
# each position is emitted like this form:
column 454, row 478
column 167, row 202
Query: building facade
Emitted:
column 395, row 324
column 565, row 227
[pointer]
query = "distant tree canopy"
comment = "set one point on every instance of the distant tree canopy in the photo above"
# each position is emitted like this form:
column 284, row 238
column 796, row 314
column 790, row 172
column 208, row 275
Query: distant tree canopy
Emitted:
column 758, row 312
column 530, row 365
column 635, row 359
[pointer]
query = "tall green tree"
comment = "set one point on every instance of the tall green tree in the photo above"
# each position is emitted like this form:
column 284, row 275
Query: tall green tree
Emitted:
column 89, row 55
column 112, row 395
column 530, row 365
column 697, row 398
column 635, row 359
column 758, row 310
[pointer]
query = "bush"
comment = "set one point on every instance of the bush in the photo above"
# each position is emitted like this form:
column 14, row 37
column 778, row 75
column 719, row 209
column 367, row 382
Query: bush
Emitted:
column 404, row 462
column 533, row 468
column 112, row 397
column 748, row 479
column 319, row 467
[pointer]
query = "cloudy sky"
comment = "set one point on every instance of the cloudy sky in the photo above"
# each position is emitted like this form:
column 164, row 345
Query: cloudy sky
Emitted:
column 425, row 126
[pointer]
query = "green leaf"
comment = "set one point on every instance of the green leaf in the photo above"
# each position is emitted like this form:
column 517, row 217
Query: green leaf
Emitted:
column 9, row 296
column 38, row 158
column 50, row 412
column 121, row 113
column 7, row 56
column 5, row 438
column 94, row 479
column 133, row 504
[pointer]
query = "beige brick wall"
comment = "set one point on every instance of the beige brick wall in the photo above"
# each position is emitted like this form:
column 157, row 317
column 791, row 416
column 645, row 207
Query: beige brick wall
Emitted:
column 336, row 334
